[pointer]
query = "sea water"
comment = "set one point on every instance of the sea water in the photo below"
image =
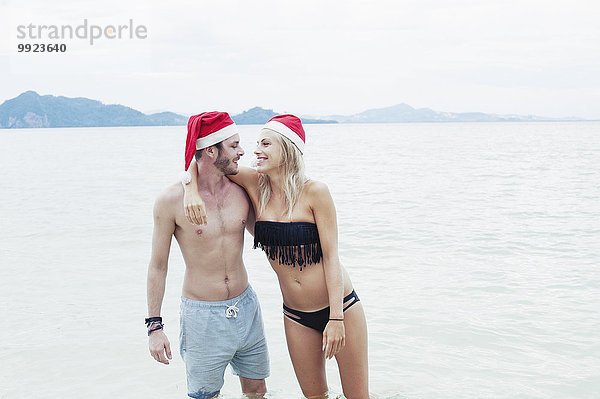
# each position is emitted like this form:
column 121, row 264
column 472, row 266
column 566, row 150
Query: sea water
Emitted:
column 475, row 249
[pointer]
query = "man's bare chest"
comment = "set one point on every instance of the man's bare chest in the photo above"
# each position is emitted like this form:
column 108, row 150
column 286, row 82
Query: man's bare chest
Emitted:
column 225, row 218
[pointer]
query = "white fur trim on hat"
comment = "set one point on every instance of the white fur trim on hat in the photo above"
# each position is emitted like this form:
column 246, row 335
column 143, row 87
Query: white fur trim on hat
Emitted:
column 287, row 132
column 217, row 137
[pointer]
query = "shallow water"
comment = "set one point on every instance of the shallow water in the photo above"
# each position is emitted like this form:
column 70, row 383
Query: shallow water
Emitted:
column 473, row 247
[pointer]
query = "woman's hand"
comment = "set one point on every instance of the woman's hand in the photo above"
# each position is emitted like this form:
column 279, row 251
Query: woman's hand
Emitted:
column 334, row 338
column 193, row 205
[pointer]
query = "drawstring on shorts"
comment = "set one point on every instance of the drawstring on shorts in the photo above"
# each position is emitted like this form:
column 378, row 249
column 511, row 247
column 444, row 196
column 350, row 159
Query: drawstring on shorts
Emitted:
column 232, row 310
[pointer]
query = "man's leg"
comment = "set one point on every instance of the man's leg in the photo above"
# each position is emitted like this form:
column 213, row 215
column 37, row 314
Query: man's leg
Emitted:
column 251, row 361
column 253, row 388
column 205, row 345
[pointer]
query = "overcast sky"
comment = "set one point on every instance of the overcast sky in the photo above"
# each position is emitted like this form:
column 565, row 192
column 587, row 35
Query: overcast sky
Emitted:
column 317, row 57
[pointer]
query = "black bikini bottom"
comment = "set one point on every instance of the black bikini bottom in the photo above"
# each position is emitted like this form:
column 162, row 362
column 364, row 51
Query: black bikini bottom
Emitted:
column 318, row 319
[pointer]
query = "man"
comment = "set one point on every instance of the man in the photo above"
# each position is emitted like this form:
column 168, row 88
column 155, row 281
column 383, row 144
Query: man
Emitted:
column 221, row 321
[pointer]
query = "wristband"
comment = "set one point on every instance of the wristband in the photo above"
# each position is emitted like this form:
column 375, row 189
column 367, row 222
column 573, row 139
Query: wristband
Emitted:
column 336, row 319
column 149, row 320
column 158, row 327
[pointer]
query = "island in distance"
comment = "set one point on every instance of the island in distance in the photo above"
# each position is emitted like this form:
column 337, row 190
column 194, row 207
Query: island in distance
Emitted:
column 31, row 110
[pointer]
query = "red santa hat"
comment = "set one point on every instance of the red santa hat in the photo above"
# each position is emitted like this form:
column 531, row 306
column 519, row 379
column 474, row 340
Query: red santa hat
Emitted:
column 206, row 129
column 289, row 126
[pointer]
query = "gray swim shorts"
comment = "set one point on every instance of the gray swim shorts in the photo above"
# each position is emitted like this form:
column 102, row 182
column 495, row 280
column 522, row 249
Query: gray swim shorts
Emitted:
column 215, row 334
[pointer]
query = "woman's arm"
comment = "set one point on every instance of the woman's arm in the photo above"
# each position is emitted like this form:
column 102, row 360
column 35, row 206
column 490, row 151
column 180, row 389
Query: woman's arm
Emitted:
column 194, row 207
column 325, row 217
column 251, row 220
column 246, row 177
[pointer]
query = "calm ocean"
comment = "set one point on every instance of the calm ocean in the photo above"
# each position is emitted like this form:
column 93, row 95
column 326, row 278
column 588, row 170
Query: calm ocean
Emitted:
column 475, row 249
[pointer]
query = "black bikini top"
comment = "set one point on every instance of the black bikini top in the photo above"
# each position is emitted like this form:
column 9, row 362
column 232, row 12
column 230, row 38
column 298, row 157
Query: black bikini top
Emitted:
column 290, row 243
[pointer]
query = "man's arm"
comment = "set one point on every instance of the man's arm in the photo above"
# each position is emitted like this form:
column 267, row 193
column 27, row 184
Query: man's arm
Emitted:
column 164, row 227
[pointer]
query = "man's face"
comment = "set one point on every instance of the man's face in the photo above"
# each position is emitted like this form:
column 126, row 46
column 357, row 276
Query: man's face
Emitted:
column 229, row 155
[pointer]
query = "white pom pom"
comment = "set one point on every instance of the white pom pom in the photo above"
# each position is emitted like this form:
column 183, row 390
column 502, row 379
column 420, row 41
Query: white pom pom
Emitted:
column 186, row 177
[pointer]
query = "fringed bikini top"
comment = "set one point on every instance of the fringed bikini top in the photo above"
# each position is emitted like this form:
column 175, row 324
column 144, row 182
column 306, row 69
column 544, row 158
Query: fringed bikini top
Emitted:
column 290, row 243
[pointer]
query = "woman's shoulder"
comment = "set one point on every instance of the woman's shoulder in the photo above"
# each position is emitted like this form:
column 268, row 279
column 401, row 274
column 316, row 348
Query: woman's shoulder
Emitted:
column 316, row 190
column 314, row 185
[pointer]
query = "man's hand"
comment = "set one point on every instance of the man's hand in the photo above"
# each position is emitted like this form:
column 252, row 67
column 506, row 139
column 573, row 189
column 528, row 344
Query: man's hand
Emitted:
column 334, row 338
column 193, row 205
column 159, row 346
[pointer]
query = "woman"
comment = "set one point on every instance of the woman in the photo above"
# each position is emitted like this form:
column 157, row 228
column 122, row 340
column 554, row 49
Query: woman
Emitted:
column 296, row 227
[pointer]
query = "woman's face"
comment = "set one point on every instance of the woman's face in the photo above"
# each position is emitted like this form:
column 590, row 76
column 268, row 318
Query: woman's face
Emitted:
column 267, row 152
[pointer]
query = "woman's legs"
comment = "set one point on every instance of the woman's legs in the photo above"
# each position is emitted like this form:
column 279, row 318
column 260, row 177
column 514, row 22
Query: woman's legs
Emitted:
column 353, row 360
column 305, row 348
column 304, row 345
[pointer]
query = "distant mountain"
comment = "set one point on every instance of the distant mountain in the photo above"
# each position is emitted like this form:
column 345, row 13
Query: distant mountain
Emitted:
column 259, row 116
column 254, row 116
column 30, row 110
column 406, row 113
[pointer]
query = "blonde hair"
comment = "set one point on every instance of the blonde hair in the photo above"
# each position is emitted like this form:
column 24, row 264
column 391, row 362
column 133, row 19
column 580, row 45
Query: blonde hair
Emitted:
column 292, row 168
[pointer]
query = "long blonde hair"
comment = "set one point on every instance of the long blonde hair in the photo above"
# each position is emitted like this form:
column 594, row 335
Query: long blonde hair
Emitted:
column 292, row 168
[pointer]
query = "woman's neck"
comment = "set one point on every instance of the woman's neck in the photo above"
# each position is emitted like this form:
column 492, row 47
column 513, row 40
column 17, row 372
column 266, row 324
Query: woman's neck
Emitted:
column 276, row 182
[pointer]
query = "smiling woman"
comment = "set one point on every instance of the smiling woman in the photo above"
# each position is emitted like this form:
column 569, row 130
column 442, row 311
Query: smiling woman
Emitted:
column 272, row 152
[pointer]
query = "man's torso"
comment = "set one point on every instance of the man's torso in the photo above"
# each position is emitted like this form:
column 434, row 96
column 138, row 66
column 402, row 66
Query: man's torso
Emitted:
column 213, row 252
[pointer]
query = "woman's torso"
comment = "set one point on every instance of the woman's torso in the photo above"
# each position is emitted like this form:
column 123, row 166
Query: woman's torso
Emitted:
column 300, row 270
